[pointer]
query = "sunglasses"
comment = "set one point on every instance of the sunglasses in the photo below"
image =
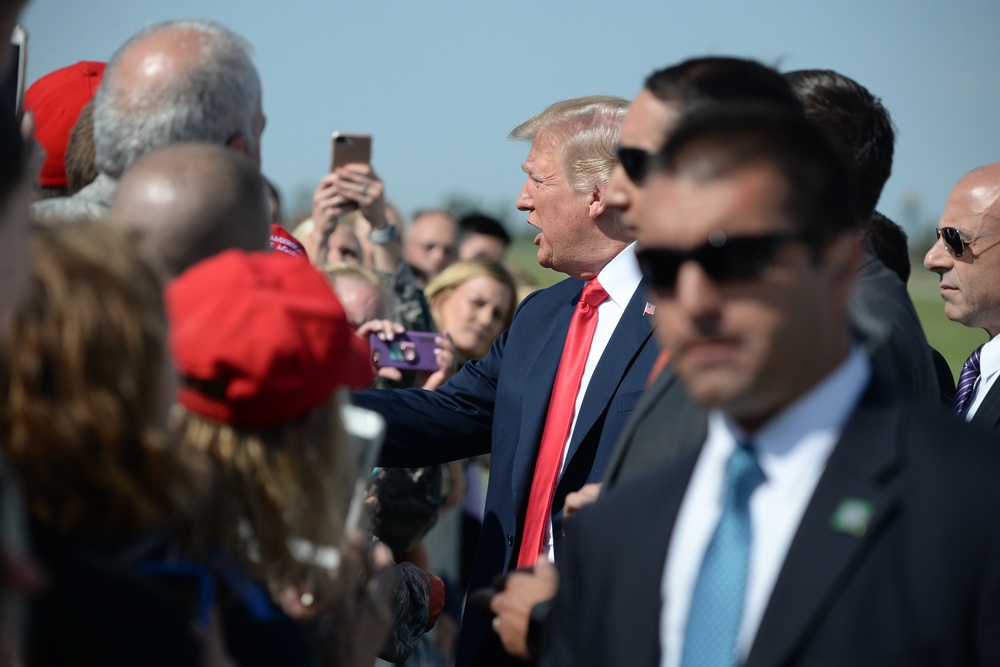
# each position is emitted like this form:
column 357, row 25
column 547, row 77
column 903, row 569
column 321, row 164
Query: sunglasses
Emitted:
column 635, row 162
column 954, row 239
column 723, row 259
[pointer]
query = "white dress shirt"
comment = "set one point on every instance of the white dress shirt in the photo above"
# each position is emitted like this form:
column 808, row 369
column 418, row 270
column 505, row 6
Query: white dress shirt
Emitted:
column 792, row 449
column 619, row 278
column 989, row 369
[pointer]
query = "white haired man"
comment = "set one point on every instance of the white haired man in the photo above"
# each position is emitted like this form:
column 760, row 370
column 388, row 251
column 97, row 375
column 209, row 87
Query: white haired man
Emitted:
column 204, row 88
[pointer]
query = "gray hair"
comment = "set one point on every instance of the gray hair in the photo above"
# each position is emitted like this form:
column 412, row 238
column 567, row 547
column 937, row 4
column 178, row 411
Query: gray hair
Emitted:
column 587, row 130
column 212, row 101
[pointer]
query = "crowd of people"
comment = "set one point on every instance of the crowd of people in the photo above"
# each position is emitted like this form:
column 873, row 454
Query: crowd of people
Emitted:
column 723, row 439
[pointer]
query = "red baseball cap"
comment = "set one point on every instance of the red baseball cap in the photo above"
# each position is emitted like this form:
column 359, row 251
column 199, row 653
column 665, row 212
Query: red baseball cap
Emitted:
column 56, row 100
column 260, row 339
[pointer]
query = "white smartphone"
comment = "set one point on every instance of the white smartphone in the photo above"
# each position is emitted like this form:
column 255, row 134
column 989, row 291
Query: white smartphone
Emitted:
column 365, row 431
column 18, row 67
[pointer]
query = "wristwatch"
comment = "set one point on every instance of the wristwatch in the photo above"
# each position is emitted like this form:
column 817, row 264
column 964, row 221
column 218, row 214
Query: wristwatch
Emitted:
column 383, row 236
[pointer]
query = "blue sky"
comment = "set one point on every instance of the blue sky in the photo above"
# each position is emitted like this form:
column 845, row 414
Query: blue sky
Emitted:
column 440, row 83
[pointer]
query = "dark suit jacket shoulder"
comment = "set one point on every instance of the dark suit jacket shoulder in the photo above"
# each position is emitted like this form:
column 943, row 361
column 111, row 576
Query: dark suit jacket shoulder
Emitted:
column 665, row 423
column 883, row 314
column 920, row 585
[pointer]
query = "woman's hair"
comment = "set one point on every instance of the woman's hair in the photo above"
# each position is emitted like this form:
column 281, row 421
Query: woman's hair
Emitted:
column 274, row 487
column 84, row 403
column 446, row 282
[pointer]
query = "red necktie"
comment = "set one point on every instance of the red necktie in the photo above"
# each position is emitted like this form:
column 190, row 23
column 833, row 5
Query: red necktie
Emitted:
column 558, row 420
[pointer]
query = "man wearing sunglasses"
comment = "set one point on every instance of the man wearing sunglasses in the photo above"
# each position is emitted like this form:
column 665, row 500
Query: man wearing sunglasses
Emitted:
column 821, row 520
column 966, row 258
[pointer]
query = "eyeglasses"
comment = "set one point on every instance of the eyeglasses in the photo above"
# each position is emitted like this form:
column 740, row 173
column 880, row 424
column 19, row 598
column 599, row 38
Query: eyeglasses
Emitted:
column 956, row 242
column 635, row 161
column 723, row 259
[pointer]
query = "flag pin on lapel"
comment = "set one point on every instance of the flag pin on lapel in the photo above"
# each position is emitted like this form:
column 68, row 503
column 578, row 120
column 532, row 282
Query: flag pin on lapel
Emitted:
column 650, row 309
column 852, row 516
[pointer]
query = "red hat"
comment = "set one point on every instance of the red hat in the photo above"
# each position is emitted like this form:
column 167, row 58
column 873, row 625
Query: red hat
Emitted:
column 56, row 100
column 260, row 339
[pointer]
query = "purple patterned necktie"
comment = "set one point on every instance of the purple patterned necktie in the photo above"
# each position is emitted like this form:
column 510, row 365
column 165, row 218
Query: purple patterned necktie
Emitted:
column 966, row 381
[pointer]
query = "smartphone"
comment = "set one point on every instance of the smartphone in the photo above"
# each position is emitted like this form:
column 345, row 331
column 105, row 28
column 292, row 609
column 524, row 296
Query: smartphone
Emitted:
column 350, row 148
column 365, row 432
column 18, row 66
column 411, row 351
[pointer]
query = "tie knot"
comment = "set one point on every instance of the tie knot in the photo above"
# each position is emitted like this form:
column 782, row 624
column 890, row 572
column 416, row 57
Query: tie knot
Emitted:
column 743, row 473
column 593, row 294
column 973, row 360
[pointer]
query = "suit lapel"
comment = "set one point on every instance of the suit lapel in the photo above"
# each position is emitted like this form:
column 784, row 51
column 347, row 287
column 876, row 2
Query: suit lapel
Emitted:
column 632, row 331
column 864, row 467
column 988, row 414
column 535, row 401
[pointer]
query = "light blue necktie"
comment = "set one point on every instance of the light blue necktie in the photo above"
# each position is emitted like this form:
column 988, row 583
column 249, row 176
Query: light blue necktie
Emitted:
column 713, row 624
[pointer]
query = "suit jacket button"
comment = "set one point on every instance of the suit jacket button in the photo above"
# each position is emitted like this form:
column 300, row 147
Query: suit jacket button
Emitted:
column 510, row 540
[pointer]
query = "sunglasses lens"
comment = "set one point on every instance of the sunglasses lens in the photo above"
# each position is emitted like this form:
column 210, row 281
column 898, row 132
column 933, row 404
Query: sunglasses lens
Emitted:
column 953, row 239
column 659, row 267
column 635, row 162
column 736, row 259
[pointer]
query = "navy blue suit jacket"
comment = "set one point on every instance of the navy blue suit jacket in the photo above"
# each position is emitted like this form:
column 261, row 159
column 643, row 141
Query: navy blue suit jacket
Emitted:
column 498, row 405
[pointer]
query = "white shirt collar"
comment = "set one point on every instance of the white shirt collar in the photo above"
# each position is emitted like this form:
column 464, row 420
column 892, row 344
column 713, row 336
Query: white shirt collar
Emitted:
column 989, row 358
column 621, row 276
column 817, row 414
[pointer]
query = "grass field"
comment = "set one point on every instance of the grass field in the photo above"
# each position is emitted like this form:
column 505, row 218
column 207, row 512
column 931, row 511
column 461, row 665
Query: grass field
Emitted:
column 952, row 340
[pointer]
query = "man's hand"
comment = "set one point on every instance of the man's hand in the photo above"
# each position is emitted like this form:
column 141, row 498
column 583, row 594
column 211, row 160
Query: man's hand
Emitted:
column 577, row 500
column 512, row 606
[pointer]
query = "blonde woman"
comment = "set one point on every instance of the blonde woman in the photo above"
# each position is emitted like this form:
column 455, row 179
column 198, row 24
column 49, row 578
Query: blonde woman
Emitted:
column 473, row 301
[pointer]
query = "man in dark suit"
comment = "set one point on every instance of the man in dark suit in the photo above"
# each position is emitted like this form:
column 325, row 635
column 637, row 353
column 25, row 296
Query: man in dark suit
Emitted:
column 965, row 258
column 501, row 403
column 822, row 521
column 881, row 309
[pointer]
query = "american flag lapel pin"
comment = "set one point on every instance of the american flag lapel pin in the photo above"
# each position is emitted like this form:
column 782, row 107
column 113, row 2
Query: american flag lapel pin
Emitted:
column 650, row 309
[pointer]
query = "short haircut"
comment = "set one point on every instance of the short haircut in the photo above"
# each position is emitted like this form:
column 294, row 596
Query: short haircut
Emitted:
column 720, row 79
column 856, row 120
column 84, row 362
column 212, row 101
column 719, row 141
column 586, row 130
column 890, row 244
column 477, row 223
column 218, row 203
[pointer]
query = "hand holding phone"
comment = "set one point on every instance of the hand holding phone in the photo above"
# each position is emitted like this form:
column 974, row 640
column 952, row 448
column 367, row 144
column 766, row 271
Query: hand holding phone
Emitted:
column 409, row 351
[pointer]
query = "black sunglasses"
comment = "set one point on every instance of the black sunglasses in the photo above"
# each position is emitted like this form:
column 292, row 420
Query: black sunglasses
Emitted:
column 954, row 239
column 635, row 161
column 723, row 259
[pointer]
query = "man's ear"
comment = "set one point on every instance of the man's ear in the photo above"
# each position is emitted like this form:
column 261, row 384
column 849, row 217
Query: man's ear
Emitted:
column 238, row 144
column 596, row 203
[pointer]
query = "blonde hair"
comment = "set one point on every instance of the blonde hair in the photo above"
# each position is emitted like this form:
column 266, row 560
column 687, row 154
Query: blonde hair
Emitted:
column 586, row 131
column 446, row 282
column 84, row 401
column 272, row 486
column 363, row 274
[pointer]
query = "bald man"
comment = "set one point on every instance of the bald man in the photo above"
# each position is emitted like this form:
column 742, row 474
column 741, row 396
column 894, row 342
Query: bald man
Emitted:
column 431, row 244
column 967, row 261
column 170, row 83
column 191, row 201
